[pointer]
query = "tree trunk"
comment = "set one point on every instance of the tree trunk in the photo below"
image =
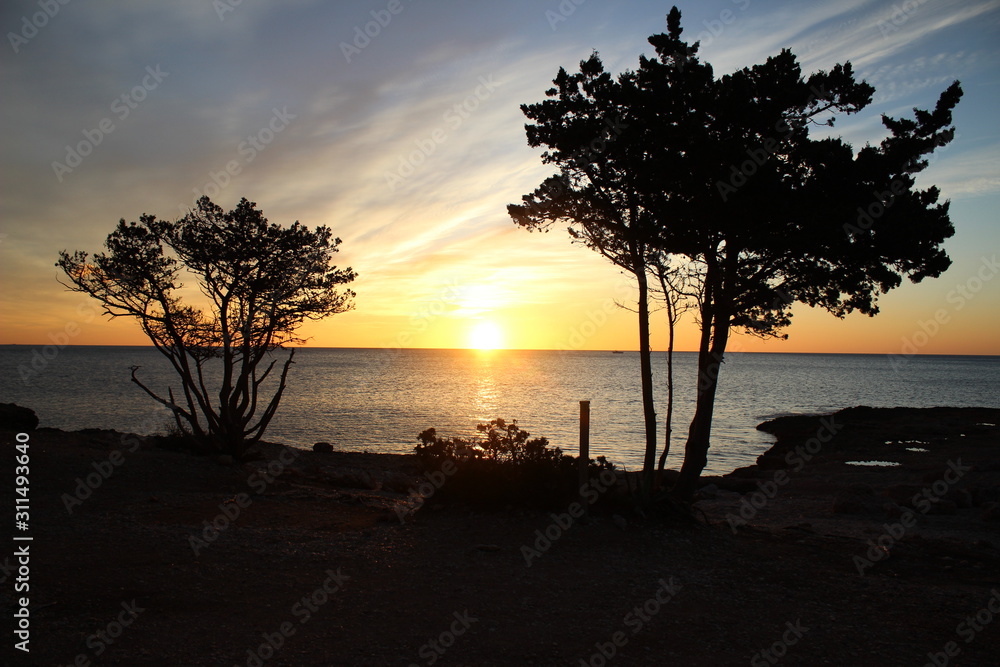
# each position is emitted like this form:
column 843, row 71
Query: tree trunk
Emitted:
column 667, row 424
column 699, row 435
column 646, row 374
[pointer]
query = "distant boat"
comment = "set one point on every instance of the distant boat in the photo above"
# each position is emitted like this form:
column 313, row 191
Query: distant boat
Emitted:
column 617, row 352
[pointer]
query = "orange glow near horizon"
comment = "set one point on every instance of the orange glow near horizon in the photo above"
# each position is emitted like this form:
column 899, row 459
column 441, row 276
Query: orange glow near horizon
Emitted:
column 483, row 319
column 812, row 332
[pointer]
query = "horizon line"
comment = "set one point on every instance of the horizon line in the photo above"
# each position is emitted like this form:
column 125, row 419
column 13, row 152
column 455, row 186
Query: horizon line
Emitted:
column 505, row 349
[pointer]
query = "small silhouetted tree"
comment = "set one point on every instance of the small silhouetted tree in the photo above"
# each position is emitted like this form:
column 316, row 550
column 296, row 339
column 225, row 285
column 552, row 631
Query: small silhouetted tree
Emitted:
column 680, row 287
column 724, row 172
column 258, row 283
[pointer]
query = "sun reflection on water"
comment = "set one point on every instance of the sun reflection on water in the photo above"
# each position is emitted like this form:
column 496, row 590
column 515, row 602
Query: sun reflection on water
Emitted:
column 485, row 392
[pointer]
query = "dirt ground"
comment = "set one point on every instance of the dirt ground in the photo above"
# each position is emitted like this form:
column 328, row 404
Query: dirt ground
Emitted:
column 801, row 560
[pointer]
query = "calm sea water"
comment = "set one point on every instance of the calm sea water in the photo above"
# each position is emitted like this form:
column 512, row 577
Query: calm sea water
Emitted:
column 379, row 400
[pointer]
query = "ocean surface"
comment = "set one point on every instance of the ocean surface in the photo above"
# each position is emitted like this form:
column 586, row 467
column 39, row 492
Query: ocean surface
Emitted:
column 379, row 400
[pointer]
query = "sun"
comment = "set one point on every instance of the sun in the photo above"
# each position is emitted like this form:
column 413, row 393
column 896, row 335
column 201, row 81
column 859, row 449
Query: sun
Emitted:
column 485, row 336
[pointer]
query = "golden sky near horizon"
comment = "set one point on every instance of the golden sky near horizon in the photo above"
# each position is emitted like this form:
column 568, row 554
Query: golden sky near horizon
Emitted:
column 411, row 147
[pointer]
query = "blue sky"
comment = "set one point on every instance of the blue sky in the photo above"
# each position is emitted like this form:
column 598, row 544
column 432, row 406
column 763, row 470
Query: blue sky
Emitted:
column 408, row 141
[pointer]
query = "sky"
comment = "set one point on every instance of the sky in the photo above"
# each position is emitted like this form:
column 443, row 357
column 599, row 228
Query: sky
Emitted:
column 397, row 124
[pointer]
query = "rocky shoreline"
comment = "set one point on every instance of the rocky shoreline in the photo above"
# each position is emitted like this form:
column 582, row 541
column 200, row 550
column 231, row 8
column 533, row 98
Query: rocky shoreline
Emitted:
column 924, row 473
column 305, row 558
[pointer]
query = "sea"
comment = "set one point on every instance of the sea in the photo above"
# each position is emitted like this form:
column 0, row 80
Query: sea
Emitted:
column 379, row 400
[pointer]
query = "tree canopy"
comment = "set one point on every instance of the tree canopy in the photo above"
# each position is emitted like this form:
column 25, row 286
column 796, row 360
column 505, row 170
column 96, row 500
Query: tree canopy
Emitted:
column 259, row 281
column 669, row 160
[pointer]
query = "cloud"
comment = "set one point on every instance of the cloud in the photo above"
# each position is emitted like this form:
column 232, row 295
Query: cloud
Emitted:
column 971, row 173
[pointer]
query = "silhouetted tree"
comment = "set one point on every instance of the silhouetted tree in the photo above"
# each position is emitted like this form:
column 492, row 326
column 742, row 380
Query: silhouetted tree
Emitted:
column 724, row 172
column 258, row 283
column 680, row 288
column 589, row 135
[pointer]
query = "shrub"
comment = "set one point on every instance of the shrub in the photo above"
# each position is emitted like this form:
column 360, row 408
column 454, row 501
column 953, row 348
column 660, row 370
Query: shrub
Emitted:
column 501, row 466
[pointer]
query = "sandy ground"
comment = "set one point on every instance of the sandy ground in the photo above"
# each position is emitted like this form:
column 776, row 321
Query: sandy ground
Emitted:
column 797, row 561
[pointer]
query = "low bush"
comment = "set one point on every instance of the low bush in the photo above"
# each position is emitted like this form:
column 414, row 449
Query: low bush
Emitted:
column 501, row 466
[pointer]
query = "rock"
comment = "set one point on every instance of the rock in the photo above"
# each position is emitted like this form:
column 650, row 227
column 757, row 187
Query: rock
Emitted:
column 323, row 448
column 934, row 475
column 856, row 499
column 355, row 478
column 739, row 485
column 892, row 510
column 670, row 476
column 961, row 497
column 253, row 455
column 944, row 506
column 397, row 482
column 991, row 512
column 986, row 494
column 844, row 504
column 708, row 492
column 771, row 461
column 224, row 460
column 903, row 494
column 16, row 418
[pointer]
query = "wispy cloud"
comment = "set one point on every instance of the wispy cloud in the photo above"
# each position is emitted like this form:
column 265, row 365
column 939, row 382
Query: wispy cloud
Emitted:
column 971, row 173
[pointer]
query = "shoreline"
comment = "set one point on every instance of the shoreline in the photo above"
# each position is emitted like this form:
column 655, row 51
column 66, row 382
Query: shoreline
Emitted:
column 943, row 474
column 142, row 535
column 385, row 411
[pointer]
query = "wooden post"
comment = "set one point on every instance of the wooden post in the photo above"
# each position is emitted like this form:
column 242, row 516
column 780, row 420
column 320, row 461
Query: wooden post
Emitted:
column 584, row 443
